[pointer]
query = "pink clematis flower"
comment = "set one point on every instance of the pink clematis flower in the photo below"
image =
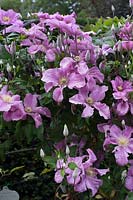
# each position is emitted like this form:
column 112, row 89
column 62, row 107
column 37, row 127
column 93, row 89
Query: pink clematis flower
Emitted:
column 121, row 88
column 123, row 141
column 61, row 78
column 90, row 98
column 8, row 17
column 7, row 99
column 84, row 176
column 31, row 109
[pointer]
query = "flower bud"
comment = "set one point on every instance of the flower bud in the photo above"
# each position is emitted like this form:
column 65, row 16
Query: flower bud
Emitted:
column 123, row 123
column 67, row 150
column 42, row 154
column 65, row 131
column 113, row 9
column 8, row 67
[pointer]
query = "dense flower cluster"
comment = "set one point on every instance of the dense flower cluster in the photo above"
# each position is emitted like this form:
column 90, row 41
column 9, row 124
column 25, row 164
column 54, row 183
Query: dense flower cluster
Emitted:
column 74, row 74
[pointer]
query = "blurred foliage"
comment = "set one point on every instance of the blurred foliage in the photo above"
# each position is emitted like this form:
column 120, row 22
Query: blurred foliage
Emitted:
column 86, row 8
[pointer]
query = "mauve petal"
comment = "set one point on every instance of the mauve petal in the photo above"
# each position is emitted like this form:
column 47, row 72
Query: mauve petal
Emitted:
column 98, row 93
column 94, row 72
column 80, row 187
column 82, row 68
column 87, row 112
column 129, row 183
column 50, row 55
column 93, row 184
column 30, row 101
column 37, row 118
column 16, row 98
column 48, row 86
column 115, row 132
column 76, row 80
column 43, row 111
column 122, row 108
column 77, row 99
column 128, row 131
column 67, row 63
column 121, row 156
column 4, row 89
column 102, row 172
column 58, row 94
column 103, row 109
column 51, row 76
column 92, row 157
column 4, row 106
column 58, row 177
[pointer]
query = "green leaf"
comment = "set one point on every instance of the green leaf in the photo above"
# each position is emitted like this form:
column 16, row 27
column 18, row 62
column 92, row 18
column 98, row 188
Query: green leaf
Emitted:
column 16, row 169
column 72, row 165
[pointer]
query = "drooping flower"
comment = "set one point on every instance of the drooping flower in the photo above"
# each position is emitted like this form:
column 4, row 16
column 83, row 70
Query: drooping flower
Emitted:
column 91, row 98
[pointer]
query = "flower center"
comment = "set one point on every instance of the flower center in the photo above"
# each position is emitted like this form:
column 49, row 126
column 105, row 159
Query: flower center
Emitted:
column 123, row 141
column 7, row 98
column 28, row 109
column 120, row 88
column 89, row 100
column 91, row 172
column 63, row 81
column 77, row 58
column 6, row 19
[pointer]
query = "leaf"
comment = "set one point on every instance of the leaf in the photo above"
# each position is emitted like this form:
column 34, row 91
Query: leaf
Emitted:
column 45, row 171
column 16, row 169
column 72, row 165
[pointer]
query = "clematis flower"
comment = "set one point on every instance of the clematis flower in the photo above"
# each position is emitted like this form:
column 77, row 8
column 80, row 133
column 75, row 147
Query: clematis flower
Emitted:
column 90, row 178
column 7, row 99
column 8, row 17
column 82, row 174
column 123, row 141
column 90, row 99
column 61, row 78
column 31, row 109
column 121, row 88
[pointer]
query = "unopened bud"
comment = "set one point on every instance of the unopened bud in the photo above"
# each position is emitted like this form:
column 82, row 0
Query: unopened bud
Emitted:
column 8, row 67
column 113, row 8
column 67, row 150
column 112, row 27
column 119, row 25
column 65, row 131
column 42, row 154
column 123, row 123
